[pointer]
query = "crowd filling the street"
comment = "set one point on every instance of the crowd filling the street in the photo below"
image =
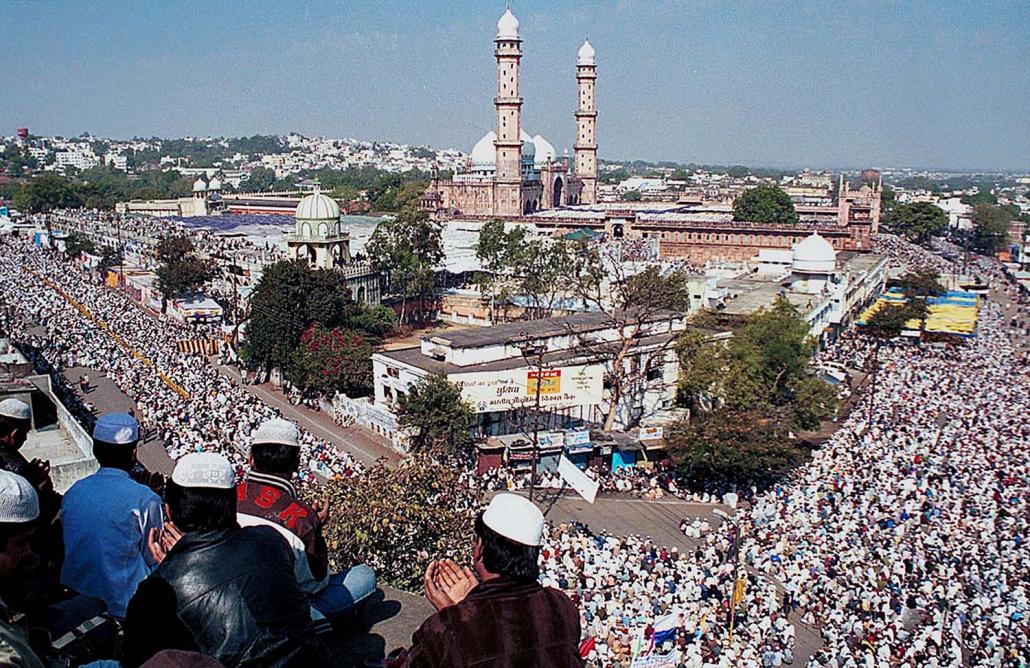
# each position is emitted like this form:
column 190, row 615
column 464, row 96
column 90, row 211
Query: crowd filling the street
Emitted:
column 901, row 542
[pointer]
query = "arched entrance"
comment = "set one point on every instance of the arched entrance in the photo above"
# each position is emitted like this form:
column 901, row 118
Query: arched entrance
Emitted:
column 556, row 197
column 361, row 294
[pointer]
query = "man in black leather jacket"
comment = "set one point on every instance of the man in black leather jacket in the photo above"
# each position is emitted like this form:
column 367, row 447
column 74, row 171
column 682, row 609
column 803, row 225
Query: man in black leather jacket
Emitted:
column 226, row 592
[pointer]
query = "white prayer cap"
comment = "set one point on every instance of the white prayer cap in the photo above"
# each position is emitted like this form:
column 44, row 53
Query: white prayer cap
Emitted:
column 278, row 431
column 204, row 469
column 15, row 408
column 516, row 518
column 18, row 501
column 116, row 428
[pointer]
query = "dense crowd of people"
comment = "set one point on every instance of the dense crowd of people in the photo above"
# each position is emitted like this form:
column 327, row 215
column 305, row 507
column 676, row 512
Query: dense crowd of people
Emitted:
column 903, row 540
column 210, row 413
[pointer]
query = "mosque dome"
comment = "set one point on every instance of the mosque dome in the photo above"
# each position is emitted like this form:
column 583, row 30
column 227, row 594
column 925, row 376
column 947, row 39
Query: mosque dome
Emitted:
column 586, row 54
column 484, row 153
column 544, row 150
column 199, row 186
column 508, row 26
column 318, row 207
column 814, row 254
column 215, row 184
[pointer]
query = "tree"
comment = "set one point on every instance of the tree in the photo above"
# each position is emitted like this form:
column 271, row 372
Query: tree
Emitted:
column 332, row 360
column 889, row 320
column 288, row 298
column 259, row 180
column 501, row 254
column 632, row 196
column 638, row 307
column 436, row 417
column 979, row 197
column 375, row 321
column 917, row 222
column 75, row 244
column 408, row 249
column 738, row 445
column 327, row 299
column 181, row 271
column 46, row 193
column 765, row 204
column 990, row 228
column 404, row 519
column 110, row 257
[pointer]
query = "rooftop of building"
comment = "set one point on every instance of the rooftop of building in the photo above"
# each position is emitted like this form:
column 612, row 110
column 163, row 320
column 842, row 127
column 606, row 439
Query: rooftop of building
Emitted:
column 580, row 355
column 535, row 329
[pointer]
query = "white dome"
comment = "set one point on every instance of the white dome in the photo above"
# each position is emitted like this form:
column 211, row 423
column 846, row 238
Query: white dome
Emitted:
column 317, row 206
column 814, row 254
column 199, row 186
column 544, row 150
column 215, row 184
column 508, row 26
column 586, row 54
column 484, row 153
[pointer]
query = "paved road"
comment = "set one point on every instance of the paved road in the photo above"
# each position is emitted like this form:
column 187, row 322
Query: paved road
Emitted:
column 364, row 445
column 106, row 397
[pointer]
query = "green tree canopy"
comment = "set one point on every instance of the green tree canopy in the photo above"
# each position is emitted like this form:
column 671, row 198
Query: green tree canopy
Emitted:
column 46, row 193
column 765, row 204
column 75, row 244
column 279, row 313
column 408, row 250
column 917, row 222
column 290, row 299
column 734, row 445
column 181, row 271
column 436, row 417
column 979, row 197
column 761, row 375
column 990, row 228
column 409, row 517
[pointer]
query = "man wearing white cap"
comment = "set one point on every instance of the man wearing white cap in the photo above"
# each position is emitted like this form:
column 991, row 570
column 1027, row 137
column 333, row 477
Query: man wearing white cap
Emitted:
column 107, row 519
column 221, row 590
column 15, row 424
column 268, row 496
column 499, row 616
column 19, row 510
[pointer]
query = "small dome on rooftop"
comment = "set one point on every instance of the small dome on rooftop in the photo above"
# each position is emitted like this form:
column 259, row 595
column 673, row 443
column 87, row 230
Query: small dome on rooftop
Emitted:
column 317, row 206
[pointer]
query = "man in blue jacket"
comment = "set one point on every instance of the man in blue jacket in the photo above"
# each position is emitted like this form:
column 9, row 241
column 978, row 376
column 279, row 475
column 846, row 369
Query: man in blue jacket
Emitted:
column 107, row 518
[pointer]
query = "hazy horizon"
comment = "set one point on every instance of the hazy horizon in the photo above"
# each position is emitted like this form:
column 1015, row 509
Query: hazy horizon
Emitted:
column 916, row 85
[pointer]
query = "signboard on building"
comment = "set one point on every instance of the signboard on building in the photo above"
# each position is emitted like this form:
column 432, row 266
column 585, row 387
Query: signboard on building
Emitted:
column 651, row 433
column 550, row 440
column 578, row 437
column 511, row 389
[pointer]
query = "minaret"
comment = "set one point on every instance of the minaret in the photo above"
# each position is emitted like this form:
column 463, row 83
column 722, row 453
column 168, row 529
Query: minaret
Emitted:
column 508, row 178
column 586, row 124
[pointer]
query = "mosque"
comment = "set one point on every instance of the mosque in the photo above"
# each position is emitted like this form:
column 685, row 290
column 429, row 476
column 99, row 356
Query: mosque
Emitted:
column 511, row 173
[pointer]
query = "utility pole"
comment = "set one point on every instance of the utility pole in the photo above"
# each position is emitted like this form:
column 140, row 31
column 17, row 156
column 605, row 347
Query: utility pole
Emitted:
column 529, row 349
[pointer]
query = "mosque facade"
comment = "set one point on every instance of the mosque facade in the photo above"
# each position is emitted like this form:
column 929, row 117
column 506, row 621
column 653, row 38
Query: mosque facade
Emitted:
column 511, row 173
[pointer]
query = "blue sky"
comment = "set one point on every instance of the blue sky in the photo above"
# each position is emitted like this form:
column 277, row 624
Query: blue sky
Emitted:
column 826, row 84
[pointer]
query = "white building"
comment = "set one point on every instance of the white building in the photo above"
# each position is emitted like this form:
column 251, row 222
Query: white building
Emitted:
column 496, row 371
column 827, row 288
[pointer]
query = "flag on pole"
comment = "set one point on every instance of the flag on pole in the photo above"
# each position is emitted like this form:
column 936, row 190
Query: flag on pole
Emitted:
column 577, row 479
